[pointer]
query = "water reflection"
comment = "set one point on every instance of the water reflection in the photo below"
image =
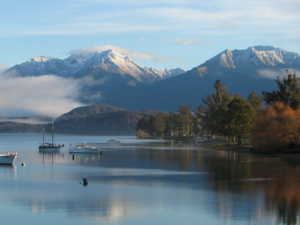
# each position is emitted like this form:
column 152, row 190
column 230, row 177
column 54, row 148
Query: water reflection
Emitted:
column 271, row 179
column 8, row 171
column 147, row 181
column 86, row 158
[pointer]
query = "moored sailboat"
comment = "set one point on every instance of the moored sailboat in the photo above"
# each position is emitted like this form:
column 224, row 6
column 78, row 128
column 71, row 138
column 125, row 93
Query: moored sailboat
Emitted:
column 49, row 147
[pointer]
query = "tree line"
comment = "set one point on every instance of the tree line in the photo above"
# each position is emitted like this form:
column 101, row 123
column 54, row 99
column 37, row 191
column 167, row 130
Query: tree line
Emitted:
column 220, row 114
column 272, row 128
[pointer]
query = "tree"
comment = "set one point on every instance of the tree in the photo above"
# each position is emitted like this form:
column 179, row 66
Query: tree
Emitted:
column 255, row 100
column 160, row 123
column 276, row 128
column 143, row 124
column 239, row 117
column 198, row 121
column 216, row 106
column 186, row 118
column 288, row 92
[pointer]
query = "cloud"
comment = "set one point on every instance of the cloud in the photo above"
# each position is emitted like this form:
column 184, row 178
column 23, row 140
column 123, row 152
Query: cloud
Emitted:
column 47, row 95
column 30, row 120
column 206, row 42
column 152, row 56
column 163, row 41
column 3, row 67
column 274, row 73
column 186, row 42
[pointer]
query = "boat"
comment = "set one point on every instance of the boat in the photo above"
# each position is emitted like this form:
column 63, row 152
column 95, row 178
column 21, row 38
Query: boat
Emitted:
column 8, row 158
column 49, row 147
column 114, row 142
column 84, row 149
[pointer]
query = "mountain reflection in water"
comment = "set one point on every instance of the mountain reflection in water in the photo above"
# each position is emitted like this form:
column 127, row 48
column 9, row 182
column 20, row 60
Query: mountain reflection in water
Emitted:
column 158, row 182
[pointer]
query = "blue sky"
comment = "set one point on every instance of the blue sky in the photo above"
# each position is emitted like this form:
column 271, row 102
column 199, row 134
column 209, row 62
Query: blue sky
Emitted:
column 160, row 34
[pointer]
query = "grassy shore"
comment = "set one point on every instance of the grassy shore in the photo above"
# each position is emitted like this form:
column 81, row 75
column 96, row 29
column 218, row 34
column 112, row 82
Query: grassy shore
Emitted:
column 221, row 144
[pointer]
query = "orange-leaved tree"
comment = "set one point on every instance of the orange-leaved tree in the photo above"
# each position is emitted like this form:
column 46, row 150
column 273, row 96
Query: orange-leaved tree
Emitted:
column 276, row 128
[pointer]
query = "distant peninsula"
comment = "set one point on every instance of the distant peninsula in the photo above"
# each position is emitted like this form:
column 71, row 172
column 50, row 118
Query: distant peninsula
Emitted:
column 100, row 119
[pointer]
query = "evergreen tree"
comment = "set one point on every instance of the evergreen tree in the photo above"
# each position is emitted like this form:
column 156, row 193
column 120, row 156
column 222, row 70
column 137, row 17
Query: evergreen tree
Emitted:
column 186, row 119
column 216, row 106
column 256, row 101
column 143, row 124
column 160, row 123
column 239, row 117
column 288, row 92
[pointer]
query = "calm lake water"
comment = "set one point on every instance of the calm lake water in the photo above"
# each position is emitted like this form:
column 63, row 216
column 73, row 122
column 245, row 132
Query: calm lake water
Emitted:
column 145, row 182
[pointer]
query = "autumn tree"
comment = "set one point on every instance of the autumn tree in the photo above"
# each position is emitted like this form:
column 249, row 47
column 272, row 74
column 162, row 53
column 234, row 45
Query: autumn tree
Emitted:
column 276, row 128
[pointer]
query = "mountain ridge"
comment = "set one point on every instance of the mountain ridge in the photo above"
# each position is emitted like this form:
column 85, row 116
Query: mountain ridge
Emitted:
column 111, row 62
column 242, row 70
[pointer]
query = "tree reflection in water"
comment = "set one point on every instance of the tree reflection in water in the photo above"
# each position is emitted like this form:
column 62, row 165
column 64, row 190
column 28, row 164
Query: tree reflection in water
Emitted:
column 278, row 180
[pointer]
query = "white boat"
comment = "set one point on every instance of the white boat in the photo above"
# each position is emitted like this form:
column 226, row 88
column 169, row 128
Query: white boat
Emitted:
column 8, row 158
column 84, row 149
column 49, row 147
column 114, row 142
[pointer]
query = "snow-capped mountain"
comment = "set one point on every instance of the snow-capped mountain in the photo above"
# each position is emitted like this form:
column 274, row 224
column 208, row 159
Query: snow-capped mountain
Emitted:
column 112, row 78
column 103, row 64
column 249, row 61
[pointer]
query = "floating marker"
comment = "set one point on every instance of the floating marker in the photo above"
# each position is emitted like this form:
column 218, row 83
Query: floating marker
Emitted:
column 85, row 181
column 23, row 164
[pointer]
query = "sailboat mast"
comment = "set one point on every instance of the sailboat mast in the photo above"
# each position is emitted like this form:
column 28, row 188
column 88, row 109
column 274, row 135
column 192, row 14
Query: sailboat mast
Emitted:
column 52, row 133
column 44, row 136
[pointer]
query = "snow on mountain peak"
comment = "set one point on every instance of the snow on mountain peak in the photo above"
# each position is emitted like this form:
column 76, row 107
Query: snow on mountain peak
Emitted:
column 252, row 58
column 77, row 65
column 39, row 59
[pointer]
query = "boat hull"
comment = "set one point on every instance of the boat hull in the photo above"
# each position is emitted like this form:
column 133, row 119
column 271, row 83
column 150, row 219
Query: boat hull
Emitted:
column 50, row 149
column 85, row 151
column 7, row 159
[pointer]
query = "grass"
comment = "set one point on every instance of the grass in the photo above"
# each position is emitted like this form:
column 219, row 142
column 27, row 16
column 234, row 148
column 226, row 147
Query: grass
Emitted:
column 221, row 144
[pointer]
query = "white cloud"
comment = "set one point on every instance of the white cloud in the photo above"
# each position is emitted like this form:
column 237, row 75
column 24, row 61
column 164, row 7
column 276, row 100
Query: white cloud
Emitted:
column 186, row 42
column 3, row 67
column 47, row 95
column 163, row 40
column 30, row 120
column 274, row 73
column 128, row 52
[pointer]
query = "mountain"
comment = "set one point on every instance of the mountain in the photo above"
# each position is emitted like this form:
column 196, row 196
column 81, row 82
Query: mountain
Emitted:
column 243, row 71
column 108, row 64
column 112, row 78
column 248, row 61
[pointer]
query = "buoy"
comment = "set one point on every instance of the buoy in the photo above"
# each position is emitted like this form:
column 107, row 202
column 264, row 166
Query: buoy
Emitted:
column 101, row 153
column 74, row 157
column 23, row 164
column 85, row 181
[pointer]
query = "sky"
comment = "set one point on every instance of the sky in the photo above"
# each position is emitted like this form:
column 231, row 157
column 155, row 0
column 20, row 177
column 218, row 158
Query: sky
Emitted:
column 163, row 34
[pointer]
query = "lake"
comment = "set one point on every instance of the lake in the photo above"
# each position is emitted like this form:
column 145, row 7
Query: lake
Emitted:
column 145, row 182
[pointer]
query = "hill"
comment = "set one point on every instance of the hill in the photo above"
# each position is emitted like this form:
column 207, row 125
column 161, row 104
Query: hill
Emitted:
column 112, row 123
column 99, row 119
column 87, row 111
